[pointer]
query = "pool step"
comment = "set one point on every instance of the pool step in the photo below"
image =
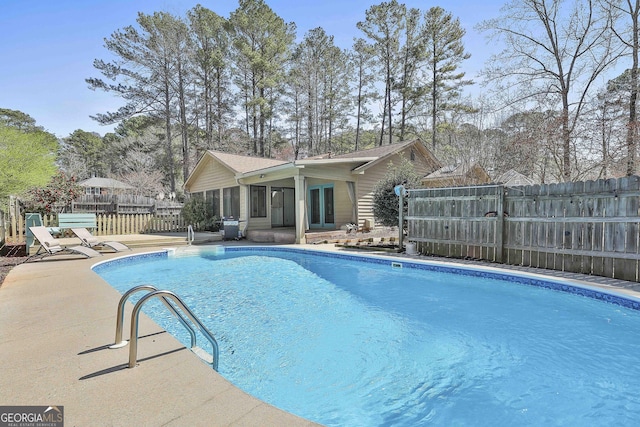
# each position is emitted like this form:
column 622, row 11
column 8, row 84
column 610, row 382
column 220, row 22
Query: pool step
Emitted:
column 203, row 354
column 154, row 241
column 150, row 240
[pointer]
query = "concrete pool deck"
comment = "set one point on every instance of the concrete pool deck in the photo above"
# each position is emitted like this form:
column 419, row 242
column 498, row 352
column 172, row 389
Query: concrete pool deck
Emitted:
column 57, row 319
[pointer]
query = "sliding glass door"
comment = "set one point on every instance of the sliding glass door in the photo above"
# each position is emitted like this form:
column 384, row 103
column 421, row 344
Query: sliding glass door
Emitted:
column 283, row 208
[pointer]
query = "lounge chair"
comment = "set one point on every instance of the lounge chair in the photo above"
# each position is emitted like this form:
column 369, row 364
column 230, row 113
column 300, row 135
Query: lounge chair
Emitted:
column 51, row 246
column 90, row 241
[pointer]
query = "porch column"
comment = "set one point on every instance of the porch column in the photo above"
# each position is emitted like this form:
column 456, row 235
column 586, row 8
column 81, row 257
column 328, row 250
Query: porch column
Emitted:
column 300, row 209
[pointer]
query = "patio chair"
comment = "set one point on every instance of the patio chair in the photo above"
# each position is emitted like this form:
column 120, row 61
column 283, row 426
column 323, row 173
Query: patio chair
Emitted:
column 51, row 246
column 90, row 241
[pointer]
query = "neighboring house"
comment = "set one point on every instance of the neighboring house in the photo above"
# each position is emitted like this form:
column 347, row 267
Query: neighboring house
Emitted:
column 107, row 196
column 457, row 175
column 317, row 193
column 105, row 186
column 512, row 178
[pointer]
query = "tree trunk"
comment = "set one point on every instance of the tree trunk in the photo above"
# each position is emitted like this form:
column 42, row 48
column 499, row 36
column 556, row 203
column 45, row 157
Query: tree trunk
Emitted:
column 184, row 125
column 359, row 111
column 566, row 141
column 632, row 125
column 389, row 112
column 168, row 146
column 262, row 122
column 384, row 113
column 219, row 107
column 434, row 100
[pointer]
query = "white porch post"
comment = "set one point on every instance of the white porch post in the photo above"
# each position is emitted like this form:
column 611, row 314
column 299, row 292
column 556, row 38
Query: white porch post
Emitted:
column 300, row 209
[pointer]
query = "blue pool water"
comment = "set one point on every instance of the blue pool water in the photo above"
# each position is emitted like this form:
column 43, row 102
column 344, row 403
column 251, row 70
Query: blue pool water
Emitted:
column 350, row 343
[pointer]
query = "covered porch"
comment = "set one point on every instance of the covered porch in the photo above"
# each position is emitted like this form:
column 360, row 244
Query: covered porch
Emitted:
column 295, row 204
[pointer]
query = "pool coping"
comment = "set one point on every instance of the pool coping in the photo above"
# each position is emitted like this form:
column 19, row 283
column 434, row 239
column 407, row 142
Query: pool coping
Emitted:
column 57, row 319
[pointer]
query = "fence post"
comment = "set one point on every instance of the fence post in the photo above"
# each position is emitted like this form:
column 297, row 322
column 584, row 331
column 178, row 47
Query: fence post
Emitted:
column 2, row 227
column 14, row 217
column 500, row 225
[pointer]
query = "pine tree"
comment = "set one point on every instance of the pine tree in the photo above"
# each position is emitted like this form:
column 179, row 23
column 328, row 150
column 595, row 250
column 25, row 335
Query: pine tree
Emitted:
column 145, row 72
column 262, row 43
column 445, row 52
column 383, row 25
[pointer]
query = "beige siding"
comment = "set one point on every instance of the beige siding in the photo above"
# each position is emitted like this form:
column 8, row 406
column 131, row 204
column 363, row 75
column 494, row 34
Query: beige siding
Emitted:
column 367, row 182
column 260, row 223
column 342, row 203
column 364, row 189
column 244, row 204
column 213, row 176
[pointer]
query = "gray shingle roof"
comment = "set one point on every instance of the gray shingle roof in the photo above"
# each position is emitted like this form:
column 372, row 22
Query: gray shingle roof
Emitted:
column 380, row 151
column 513, row 177
column 105, row 183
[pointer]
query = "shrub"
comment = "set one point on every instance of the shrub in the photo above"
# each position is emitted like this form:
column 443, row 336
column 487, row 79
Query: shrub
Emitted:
column 385, row 201
column 55, row 197
column 200, row 214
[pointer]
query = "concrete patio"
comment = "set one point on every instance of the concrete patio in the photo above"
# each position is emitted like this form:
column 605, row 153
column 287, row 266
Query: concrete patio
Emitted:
column 57, row 320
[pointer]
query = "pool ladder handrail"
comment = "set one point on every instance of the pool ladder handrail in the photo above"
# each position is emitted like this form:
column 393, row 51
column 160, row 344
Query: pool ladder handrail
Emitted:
column 164, row 296
column 191, row 235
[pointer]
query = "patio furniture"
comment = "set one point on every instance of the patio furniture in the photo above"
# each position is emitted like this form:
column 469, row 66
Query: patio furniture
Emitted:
column 90, row 241
column 50, row 246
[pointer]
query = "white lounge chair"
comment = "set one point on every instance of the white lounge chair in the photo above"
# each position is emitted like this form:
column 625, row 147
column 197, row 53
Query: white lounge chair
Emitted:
column 51, row 246
column 91, row 241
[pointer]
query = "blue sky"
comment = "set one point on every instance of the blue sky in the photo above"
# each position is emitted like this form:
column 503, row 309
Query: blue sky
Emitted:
column 47, row 47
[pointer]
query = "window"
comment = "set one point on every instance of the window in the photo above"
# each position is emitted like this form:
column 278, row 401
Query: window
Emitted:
column 213, row 200
column 231, row 202
column 258, row 201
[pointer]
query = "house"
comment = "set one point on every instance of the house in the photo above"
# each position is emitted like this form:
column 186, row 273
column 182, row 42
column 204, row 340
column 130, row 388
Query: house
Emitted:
column 513, row 178
column 96, row 186
column 457, row 175
column 318, row 193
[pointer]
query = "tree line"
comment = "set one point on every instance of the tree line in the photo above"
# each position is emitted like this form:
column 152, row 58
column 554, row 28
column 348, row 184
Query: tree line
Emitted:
column 556, row 103
column 243, row 83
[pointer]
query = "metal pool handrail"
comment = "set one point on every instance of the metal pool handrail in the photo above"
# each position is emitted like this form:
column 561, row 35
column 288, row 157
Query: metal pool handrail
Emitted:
column 119, row 342
column 191, row 235
column 133, row 341
column 164, row 297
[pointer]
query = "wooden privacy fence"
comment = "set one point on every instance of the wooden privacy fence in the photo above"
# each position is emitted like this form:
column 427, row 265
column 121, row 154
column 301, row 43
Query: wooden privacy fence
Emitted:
column 590, row 227
column 109, row 225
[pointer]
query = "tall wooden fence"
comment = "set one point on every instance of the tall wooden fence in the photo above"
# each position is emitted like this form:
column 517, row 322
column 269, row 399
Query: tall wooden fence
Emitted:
column 108, row 225
column 590, row 227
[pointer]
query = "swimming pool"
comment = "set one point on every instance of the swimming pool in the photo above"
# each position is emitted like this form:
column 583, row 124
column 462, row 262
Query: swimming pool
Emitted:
column 348, row 340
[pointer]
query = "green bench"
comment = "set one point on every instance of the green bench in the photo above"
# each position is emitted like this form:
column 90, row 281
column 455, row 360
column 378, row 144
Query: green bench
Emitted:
column 76, row 220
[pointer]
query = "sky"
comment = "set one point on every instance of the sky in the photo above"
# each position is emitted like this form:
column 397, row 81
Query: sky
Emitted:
column 47, row 48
